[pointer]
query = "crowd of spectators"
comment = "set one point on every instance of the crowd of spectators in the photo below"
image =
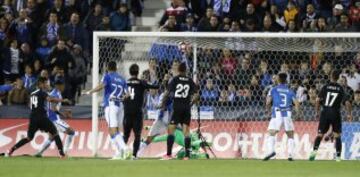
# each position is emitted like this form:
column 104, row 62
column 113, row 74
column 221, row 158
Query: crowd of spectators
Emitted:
column 52, row 38
column 262, row 16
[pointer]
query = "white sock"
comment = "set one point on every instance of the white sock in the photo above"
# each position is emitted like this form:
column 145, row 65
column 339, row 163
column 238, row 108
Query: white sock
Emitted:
column 120, row 141
column 118, row 148
column 141, row 149
column 291, row 146
column 44, row 147
column 271, row 144
column 68, row 141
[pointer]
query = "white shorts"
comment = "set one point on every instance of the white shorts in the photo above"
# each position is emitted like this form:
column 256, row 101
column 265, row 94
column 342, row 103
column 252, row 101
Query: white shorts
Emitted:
column 277, row 121
column 61, row 125
column 114, row 116
column 160, row 126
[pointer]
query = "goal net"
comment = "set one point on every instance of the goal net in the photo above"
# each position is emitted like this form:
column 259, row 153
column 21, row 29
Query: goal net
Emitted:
column 235, row 73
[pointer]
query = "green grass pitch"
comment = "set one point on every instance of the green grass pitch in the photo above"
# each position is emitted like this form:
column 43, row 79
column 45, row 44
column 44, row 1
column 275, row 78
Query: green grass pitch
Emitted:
column 82, row 167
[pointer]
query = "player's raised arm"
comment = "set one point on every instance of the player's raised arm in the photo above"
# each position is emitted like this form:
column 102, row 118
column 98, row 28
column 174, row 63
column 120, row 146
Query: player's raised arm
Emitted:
column 98, row 88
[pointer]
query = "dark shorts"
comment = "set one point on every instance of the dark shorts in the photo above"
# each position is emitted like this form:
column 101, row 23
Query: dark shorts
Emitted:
column 132, row 121
column 181, row 115
column 42, row 123
column 329, row 118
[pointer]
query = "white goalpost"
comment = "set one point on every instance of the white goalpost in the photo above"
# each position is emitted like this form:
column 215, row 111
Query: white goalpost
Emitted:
column 234, row 72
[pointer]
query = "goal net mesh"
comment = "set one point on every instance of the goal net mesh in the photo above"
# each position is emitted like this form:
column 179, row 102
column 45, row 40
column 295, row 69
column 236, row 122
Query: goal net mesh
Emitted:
column 235, row 75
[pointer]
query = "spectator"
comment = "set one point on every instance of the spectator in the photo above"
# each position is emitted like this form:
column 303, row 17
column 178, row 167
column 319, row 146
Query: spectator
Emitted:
column 204, row 22
column 344, row 25
column 209, row 95
column 281, row 4
column 349, row 92
column 322, row 25
column 228, row 63
column 235, row 27
column 277, row 19
column 21, row 28
column 357, row 99
column 291, row 13
column 312, row 96
column 304, row 71
column 232, row 93
column 8, row 7
column 189, row 25
column 291, row 27
column 104, row 25
column 77, row 74
column 256, row 90
column 4, row 25
column 52, row 29
column 199, row 7
column 214, row 25
column 75, row 33
column 250, row 26
column 264, row 74
column 38, row 66
column 60, row 11
column 357, row 61
column 43, row 50
column 18, row 95
column 12, row 61
column 226, row 24
column 250, row 15
column 352, row 77
column 324, row 74
column 177, row 9
column 170, row 25
column 29, row 79
column 224, row 97
column 338, row 10
column 310, row 16
column 94, row 19
column 354, row 13
column 34, row 13
column 61, row 57
column 120, row 20
column 244, row 73
column 284, row 68
column 27, row 55
column 268, row 25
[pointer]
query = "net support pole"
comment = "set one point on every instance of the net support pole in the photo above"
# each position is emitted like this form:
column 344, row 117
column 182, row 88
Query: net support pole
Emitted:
column 95, row 82
column 195, row 76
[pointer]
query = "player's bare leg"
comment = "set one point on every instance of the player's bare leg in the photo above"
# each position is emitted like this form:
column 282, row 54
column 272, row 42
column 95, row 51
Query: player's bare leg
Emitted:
column 338, row 146
column 290, row 145
column 271, row 145
column 317, row 142
column 187, row 140
column 170, row 142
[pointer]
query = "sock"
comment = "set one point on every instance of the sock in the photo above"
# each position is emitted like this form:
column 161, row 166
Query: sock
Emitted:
column 170, row 143
column 113, row 141
column 291, row 146
column 271, row 144
column 136, row 145
column 68, row 141
column 141, row 149
column 317, row 143
column 120, row 141
column 19, row 144
column 187, row 146
column 338, row 146
column 59, row 145
column 45, row 146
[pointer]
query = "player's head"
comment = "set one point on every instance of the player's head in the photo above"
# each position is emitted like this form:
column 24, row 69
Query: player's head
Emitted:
column 134, row 70
column 41, row 82
column 111, row 66
column 282, row 78
column 182, row 68
column 335, row 76
column 60, row 84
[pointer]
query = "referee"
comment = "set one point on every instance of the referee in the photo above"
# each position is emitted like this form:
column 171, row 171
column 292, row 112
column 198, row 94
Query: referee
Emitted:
column 133, row 119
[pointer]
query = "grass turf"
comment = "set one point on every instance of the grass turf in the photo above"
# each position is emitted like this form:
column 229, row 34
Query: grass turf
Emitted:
column 82, row 167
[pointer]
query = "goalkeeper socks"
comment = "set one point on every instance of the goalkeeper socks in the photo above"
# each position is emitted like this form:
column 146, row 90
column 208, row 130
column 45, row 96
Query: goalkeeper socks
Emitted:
column 291, row 147
column 317, row 143
column 45, row 146
column 271, row 144
column 170, row 143
column 187, row 146
column 59, row 145
column 338, row 146
column 18, row 145
column 68, row 141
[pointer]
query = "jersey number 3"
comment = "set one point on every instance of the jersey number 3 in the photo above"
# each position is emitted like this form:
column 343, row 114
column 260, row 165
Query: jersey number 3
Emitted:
column 182, row 91
column 330, row 98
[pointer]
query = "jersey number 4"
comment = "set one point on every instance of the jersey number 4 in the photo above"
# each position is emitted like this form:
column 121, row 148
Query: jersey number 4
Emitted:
column 34, row 102
column 182, row 91
column 330, row 98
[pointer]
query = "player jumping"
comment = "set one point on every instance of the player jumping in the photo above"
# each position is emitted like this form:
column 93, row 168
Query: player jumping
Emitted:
column 39, row 119
column 330, row 99
column 54, row 115
column 115, row 90
column 181, row 88
column 282, row 98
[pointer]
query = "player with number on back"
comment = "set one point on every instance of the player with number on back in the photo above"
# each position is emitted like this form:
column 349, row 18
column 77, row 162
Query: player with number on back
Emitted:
column 282, row 99
column 330, row 98
column 183, row 91
column 55, row 114
column 39, row 119
column 133, row 119
column 115, row 90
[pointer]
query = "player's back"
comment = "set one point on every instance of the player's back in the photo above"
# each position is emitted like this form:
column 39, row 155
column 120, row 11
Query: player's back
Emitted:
column 38, row 103
column 55, row 93
column 331, row 97
column 136, row 88
column 182, row 89
column 115, row 86
column 282, row 96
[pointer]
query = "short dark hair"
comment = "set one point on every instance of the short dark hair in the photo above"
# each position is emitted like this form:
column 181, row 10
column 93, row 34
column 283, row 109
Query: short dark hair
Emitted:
column 335, row 75
column 182, row 68
column 282, row 77
column 41, row 80
column 111, row 66
column 134, row 70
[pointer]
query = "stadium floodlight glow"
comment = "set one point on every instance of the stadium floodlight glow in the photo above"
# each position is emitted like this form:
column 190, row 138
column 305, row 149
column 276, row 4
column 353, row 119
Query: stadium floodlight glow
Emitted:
column 204, row 51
